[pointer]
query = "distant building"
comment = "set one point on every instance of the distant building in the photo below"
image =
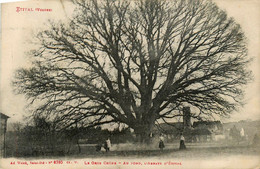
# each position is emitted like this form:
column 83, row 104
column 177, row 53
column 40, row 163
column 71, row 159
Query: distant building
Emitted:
column 196, row 132
column 213, row 126
column 3, row 124
column 242, row 130
column 171, row 131
column 186, row 118
column 208, row 130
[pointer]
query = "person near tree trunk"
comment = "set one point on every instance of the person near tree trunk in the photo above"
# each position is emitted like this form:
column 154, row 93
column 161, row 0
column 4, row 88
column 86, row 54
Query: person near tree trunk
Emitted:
column 182, row 142
column 161, row 142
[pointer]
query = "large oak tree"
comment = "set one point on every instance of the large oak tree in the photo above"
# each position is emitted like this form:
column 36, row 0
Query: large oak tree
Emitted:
column 135, row 62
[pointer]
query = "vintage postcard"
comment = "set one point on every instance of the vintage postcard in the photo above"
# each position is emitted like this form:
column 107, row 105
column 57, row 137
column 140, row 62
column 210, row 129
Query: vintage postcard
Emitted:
column 130, row 84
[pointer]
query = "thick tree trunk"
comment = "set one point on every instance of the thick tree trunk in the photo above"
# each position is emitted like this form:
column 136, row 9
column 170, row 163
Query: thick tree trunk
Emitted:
column 142, row 136
column 144, row 127
column 143, row 133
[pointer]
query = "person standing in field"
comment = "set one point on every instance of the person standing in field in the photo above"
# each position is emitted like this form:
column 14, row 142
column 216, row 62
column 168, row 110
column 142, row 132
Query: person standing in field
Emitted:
column 107, row 145
column 182, row 142
column 161, row 142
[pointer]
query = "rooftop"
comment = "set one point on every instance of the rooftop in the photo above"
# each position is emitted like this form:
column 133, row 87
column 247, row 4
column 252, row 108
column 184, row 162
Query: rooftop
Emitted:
column 3, row 116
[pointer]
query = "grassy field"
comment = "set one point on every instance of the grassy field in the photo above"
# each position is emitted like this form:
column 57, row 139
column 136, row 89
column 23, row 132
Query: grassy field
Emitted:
column 196, row 156
column 130, row 150
column 171, row 150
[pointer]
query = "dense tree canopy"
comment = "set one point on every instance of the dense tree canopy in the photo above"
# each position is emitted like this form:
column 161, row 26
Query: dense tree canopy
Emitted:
column 135, row 62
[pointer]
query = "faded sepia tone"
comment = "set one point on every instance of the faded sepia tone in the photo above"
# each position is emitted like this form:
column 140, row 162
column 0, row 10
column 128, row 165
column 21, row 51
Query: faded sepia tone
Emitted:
column 222, row 140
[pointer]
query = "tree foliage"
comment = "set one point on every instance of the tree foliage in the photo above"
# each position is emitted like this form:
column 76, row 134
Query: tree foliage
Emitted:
column 135, row 62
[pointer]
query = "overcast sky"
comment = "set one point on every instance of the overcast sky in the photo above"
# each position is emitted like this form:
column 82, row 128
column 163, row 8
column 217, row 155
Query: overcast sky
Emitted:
column 17, row 28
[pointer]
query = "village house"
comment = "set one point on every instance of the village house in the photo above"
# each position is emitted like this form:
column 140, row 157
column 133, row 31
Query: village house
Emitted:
column 199, row 131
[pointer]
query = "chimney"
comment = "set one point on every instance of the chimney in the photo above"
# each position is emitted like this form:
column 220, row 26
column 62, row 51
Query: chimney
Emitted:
column 186, row 117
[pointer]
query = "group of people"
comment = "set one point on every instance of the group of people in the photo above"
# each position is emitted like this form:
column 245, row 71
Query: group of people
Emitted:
column 182, row 142
column 106, row 145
